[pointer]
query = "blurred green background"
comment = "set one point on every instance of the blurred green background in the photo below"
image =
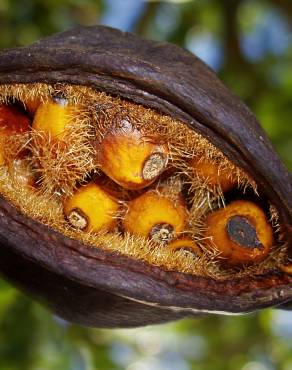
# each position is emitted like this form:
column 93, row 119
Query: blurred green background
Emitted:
column 248, row 43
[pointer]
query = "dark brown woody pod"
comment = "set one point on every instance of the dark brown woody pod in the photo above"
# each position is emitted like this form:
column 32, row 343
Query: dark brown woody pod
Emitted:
column 95, row 287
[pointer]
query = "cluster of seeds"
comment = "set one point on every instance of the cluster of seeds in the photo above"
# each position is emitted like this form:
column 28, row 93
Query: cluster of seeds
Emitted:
column 120, row 176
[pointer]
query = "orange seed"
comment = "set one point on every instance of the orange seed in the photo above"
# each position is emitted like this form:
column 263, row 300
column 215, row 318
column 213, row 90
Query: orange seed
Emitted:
column 212, row 174
column 129, row 159
column 155, row 216
column 91, row 208
column 240, row 231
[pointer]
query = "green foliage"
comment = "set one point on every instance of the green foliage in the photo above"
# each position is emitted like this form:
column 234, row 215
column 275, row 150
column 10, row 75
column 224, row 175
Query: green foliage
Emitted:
column 25, row 22
column 30, row 337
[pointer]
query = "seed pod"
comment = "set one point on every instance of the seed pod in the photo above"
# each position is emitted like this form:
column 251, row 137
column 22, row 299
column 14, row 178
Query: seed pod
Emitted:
column 91, row 209
column 93, row 286
column 155, row 216
column 241, row 232
column 130, row 159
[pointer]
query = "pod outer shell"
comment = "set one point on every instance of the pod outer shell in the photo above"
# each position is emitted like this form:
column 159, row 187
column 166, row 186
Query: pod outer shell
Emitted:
column 97, row 288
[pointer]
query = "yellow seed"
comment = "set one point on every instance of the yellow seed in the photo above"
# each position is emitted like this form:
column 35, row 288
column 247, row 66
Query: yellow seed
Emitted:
column 53, row 117
column 155, row 216
column 91, row 209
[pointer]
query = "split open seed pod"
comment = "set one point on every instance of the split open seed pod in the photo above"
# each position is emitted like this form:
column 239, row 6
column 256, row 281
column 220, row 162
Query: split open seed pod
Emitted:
column 114, row 277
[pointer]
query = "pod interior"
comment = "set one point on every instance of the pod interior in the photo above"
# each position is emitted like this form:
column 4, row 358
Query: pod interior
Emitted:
column 118, row 176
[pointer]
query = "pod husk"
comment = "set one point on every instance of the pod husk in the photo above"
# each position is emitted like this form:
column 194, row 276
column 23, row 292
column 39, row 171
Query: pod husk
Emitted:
column 96, row 288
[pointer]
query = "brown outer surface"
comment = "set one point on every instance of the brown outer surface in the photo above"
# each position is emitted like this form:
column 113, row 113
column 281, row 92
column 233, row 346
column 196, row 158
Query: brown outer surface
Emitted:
column 168, row 78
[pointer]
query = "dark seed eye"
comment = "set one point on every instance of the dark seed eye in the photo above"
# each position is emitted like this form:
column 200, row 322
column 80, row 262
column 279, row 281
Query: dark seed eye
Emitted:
column 241, row 231
column 134, row 186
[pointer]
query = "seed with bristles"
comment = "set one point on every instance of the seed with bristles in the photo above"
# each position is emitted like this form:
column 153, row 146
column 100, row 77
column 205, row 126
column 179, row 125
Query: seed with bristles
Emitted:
column 12, row 121
column 91, row 209
column 129, row 159
column 53, row 117
column 212, row 175
column 240, row 231
column 156, row 217
column 186, row 244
